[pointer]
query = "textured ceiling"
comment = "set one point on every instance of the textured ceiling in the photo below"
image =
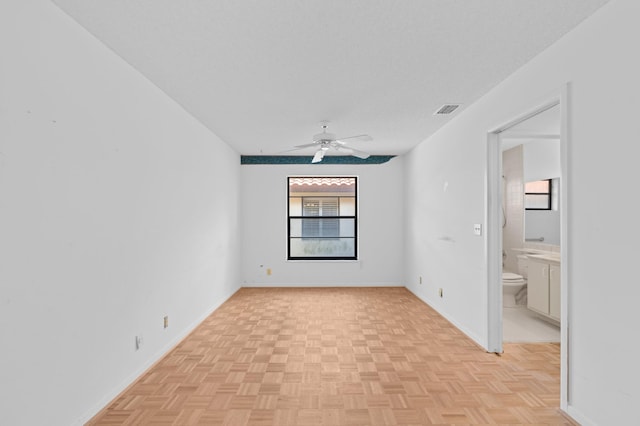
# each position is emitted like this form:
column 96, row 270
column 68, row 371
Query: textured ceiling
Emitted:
column 262, row 74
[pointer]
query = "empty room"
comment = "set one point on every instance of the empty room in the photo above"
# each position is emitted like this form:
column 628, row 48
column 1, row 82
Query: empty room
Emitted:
column 319, row 212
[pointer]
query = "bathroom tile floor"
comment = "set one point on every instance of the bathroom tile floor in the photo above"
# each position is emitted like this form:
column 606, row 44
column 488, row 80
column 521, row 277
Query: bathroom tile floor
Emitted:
column 520, row 325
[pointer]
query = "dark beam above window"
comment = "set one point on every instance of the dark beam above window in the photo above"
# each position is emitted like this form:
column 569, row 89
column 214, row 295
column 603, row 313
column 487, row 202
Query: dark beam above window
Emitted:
column 306, row 159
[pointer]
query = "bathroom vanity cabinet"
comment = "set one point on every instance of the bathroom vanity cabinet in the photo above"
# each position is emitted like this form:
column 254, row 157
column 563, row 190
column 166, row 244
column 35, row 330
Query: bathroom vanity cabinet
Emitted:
column 543, row 286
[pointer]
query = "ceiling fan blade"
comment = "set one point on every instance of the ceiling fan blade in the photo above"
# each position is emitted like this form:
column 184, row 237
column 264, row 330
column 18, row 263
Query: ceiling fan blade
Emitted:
column 359, row 154
column 289, row 150
column 354, row 152
column 319, row 156
column 344, row 149
column 357, row 138
column 295, row 149
column 307, row 145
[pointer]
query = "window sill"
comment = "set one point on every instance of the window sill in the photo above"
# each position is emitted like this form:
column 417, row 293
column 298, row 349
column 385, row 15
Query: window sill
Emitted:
column 323, row 260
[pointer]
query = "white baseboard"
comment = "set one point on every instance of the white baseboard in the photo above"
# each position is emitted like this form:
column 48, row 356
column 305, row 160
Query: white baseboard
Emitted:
column 311, row 285
column 578, row 417
column 473, row 336
column 113, row 394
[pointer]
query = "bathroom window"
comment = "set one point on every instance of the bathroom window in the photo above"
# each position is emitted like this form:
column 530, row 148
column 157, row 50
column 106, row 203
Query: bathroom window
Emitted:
column 322, row 219
column 538, row 195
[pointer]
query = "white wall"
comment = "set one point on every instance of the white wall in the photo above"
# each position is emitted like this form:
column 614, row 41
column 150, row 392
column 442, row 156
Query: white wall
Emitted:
column 513, row 207
column 598, row 59
column 541, row 160
column 543, row 224
column 264, row 225
column 116, row 208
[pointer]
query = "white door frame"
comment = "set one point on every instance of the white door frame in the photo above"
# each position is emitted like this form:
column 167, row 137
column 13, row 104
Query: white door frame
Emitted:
column 493, row 242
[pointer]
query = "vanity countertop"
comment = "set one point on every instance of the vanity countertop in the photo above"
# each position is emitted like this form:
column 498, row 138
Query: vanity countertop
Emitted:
column 531, row 251
column 551, row 257
column 544, row 255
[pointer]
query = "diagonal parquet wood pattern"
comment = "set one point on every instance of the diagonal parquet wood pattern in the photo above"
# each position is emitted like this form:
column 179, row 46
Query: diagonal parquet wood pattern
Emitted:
column 338, row 356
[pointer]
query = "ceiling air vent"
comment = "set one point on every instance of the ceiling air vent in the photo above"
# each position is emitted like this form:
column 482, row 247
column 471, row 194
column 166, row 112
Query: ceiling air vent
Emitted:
column 447, row 109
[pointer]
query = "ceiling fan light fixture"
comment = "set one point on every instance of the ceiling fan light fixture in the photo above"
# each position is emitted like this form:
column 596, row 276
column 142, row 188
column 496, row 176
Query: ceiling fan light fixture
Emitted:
column 318, row 157
column 324, row 136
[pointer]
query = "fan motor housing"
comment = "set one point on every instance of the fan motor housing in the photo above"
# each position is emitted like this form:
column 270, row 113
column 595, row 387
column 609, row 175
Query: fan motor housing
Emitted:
column 329, row 137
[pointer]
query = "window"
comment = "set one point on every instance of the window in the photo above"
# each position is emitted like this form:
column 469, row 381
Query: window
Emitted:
column 537, row 195
column 322, row 218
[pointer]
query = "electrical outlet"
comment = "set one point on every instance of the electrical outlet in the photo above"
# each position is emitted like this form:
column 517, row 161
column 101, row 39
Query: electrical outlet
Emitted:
column 139, row 342
column 268, row 271
column 440, row 292
column 166, row 321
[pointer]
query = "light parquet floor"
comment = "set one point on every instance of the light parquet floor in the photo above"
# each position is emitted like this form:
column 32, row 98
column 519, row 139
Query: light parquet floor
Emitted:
column 339, row 356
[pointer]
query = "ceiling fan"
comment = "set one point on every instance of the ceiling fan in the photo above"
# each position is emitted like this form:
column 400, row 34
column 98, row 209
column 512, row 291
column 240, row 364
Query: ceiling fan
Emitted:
column 326, row 141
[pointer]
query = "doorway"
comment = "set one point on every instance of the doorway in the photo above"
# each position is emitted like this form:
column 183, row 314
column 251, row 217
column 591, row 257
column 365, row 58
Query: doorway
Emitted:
column 531, row 229
column 494, row 242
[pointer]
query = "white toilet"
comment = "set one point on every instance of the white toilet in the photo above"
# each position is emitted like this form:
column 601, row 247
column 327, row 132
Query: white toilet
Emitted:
column 513, row 283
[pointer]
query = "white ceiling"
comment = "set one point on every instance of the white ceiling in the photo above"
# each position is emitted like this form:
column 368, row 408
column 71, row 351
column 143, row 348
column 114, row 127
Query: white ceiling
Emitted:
column 262, row 74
